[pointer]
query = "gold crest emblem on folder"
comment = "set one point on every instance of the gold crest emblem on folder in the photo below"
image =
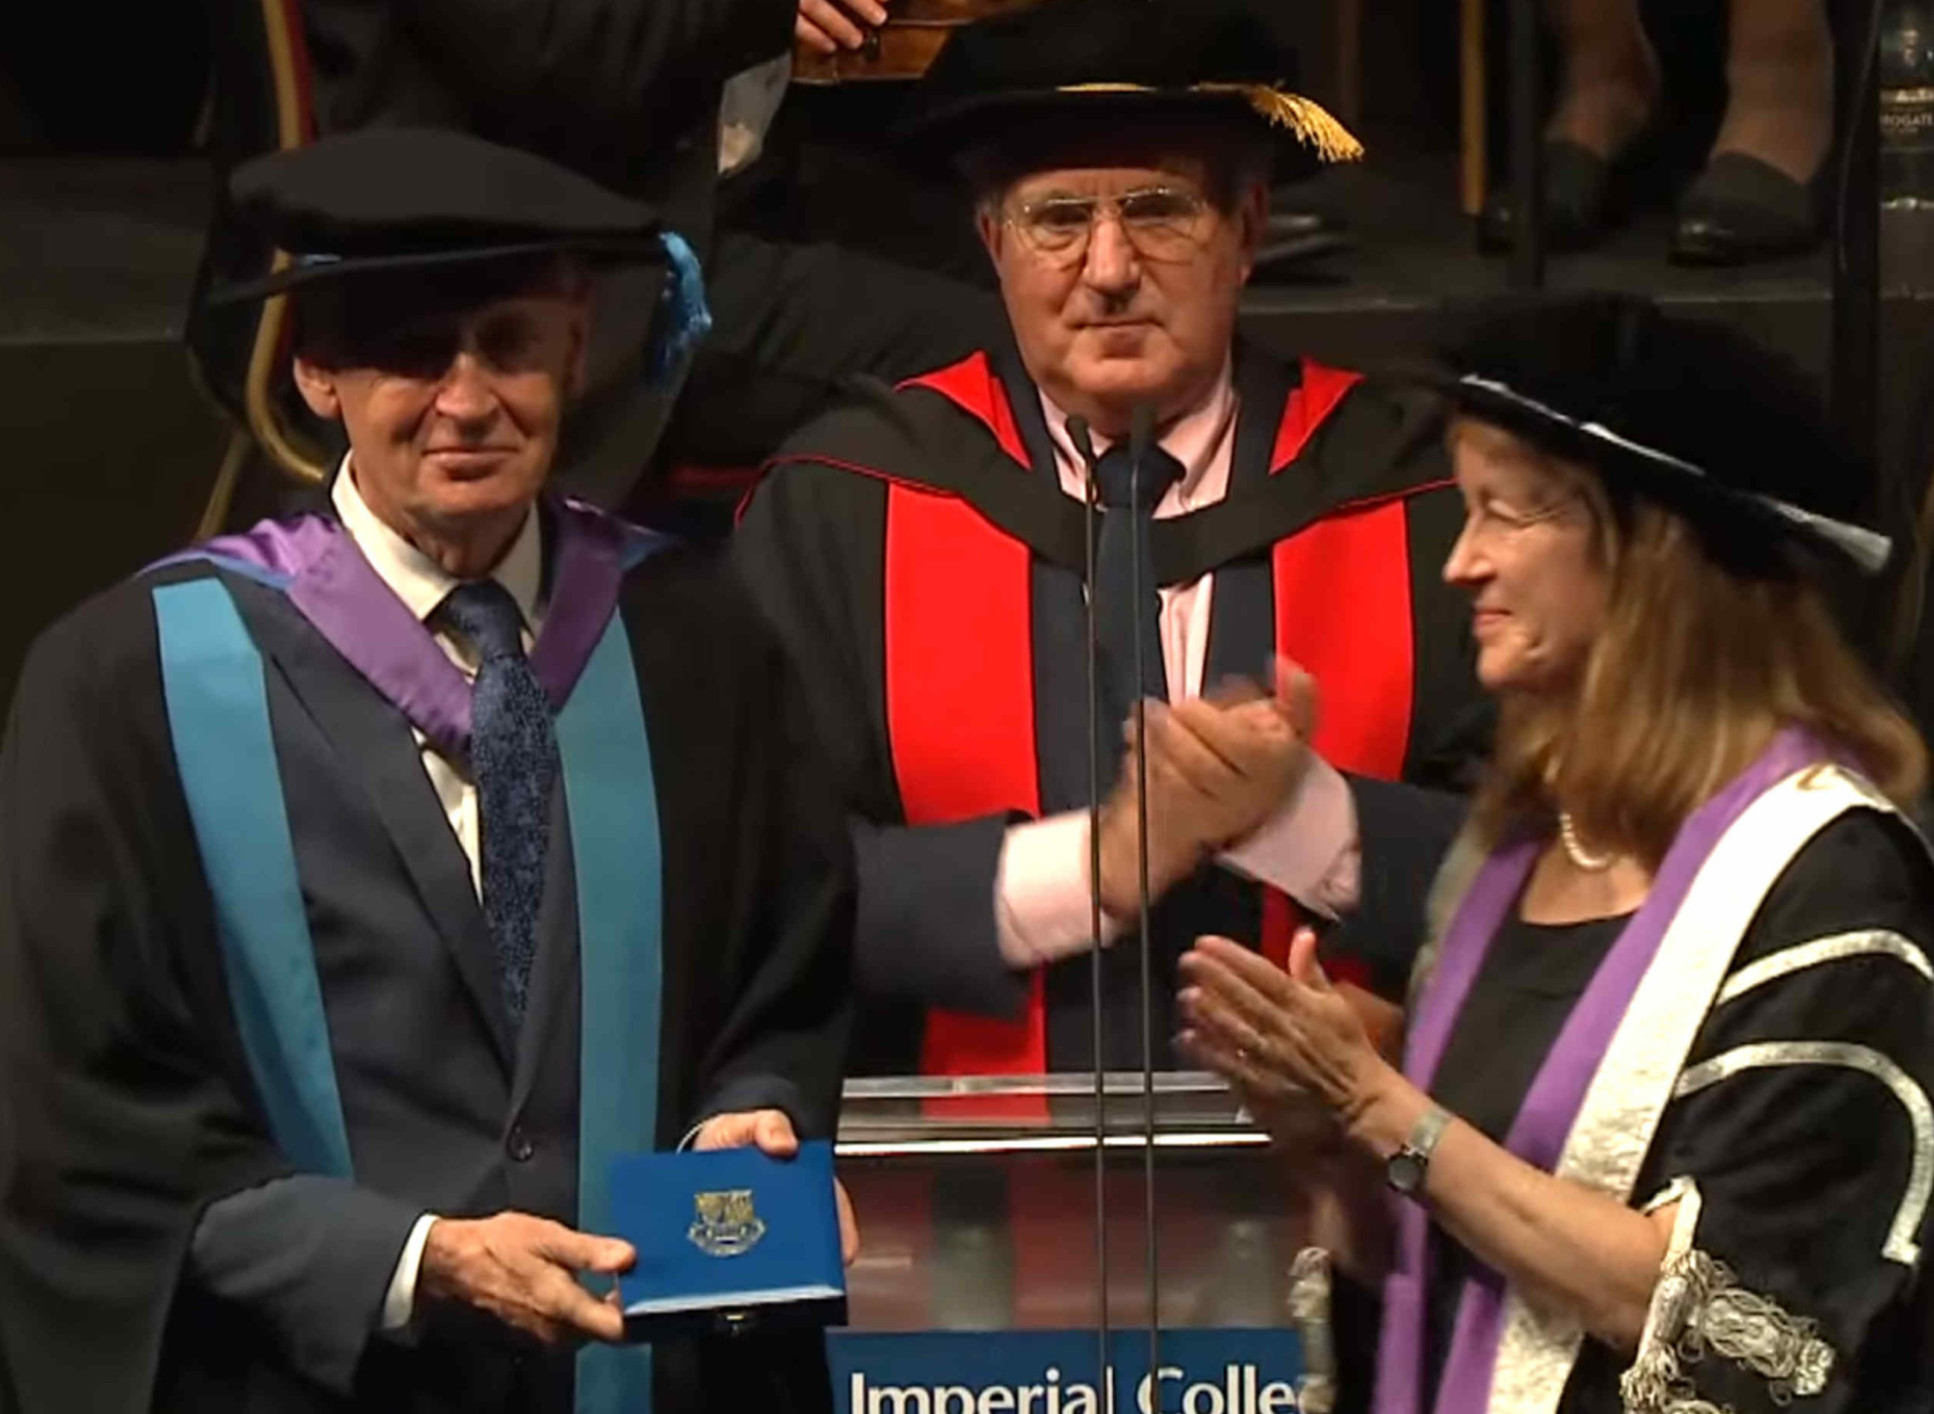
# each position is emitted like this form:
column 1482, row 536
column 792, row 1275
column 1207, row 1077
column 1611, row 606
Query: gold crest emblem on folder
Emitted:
column 727, row 1225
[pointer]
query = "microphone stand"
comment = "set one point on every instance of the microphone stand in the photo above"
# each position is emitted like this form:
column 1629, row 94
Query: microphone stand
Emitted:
column 1141, row 434
column 1091, row 499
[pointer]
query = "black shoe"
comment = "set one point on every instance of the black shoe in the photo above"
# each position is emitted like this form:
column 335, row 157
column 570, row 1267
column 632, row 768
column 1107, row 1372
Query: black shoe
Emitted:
column 1741, row 209
column 1578, row 203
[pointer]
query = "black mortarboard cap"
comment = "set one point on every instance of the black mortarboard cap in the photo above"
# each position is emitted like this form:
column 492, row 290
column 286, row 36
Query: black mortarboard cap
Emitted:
column 387, row 200
column 1004, row 80
column 1686, row 411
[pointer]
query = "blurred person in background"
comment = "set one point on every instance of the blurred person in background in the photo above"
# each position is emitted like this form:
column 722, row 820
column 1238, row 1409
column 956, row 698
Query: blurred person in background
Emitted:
column 1761, row 194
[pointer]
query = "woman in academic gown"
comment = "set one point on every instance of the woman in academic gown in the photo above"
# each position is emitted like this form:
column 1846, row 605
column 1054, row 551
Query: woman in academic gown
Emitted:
column 1661, row 1138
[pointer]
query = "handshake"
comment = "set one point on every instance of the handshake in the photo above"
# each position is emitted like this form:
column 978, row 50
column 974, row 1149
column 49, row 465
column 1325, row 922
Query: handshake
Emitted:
column 1218, row 767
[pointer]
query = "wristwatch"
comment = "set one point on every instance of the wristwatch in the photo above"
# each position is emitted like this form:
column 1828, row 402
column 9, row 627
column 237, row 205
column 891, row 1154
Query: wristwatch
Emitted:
column 1405, row 1169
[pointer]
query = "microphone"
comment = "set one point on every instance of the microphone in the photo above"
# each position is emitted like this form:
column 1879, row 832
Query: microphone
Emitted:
column 1141, row 433
column 1084, row 446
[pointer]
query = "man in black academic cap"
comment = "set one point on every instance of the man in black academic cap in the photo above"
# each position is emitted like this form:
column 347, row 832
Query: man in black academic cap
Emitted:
column 370, row 879
column 657, row 99
column 922, row 554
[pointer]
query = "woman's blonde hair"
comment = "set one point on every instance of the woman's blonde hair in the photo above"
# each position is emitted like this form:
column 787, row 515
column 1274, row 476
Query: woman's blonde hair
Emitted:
column 1697, row 664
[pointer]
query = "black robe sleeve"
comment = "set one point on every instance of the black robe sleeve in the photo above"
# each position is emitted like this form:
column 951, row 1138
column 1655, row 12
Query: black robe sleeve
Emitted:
column 1403, row 834
column 1803, row 1122
column 809, row 550
column 122, row 1070
column 731, row 738
column 783, row 1044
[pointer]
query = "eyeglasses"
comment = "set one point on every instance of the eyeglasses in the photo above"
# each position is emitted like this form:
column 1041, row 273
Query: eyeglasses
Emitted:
column 1162, row 223
column 504, row 340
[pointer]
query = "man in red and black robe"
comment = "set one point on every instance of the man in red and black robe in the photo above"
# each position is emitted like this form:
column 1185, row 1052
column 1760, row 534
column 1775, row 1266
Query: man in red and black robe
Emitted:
column 922, row 552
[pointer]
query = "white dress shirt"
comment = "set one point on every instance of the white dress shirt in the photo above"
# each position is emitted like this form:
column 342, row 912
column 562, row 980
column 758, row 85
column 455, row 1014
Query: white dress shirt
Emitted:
column 422, row 585
column 1307, row 849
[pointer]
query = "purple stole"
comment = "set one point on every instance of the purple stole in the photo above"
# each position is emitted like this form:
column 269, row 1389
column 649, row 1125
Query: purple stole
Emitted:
column 313, row 560
column 1552, row 1104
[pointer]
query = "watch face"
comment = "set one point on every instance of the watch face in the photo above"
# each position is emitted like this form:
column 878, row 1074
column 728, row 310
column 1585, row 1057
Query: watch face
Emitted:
column 1405, row 1171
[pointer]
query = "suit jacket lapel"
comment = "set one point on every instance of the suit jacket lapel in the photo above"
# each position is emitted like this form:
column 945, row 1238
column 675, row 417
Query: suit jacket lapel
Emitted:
column 378, row 751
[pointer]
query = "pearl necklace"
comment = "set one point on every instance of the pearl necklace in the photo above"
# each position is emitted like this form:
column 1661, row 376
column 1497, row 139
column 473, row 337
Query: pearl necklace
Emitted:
column 1576, row 852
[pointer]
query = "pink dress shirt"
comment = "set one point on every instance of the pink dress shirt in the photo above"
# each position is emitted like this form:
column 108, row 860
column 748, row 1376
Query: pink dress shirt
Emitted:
column 1307, row 849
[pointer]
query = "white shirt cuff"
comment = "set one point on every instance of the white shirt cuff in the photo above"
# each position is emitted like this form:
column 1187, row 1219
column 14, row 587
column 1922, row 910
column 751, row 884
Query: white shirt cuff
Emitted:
column 399, row 1303
column 1042, row 908
column 1309, row 848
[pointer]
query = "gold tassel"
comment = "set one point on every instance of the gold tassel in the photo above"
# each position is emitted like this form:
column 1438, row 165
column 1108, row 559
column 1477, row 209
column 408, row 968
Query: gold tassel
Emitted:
column 1305, row 117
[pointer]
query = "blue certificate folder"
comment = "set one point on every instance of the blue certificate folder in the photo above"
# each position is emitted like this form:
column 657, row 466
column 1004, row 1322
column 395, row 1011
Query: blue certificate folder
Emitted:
column 729, row 1237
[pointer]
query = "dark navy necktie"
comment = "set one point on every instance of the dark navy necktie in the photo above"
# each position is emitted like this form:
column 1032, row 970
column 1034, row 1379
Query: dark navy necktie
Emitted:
column 513, row 758
column 1122, row 618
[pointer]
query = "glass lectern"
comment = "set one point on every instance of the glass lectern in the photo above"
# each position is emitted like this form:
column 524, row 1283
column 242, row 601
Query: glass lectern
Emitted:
column 981, row 1210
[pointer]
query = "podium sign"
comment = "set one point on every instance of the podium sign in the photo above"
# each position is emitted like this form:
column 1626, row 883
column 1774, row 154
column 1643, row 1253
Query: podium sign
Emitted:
column 1053, row 1372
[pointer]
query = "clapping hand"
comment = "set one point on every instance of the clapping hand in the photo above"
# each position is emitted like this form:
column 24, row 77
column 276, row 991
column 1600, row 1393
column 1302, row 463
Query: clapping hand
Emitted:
column 1218, row 767
column 1284, row 1037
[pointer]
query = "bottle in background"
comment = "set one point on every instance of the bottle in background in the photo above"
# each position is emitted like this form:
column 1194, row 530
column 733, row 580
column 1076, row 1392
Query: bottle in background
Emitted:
column 1907, row 144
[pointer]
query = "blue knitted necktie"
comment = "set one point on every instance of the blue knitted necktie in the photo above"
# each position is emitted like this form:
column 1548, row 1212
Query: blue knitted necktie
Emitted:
column 513, row 758
column 1120, row 619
